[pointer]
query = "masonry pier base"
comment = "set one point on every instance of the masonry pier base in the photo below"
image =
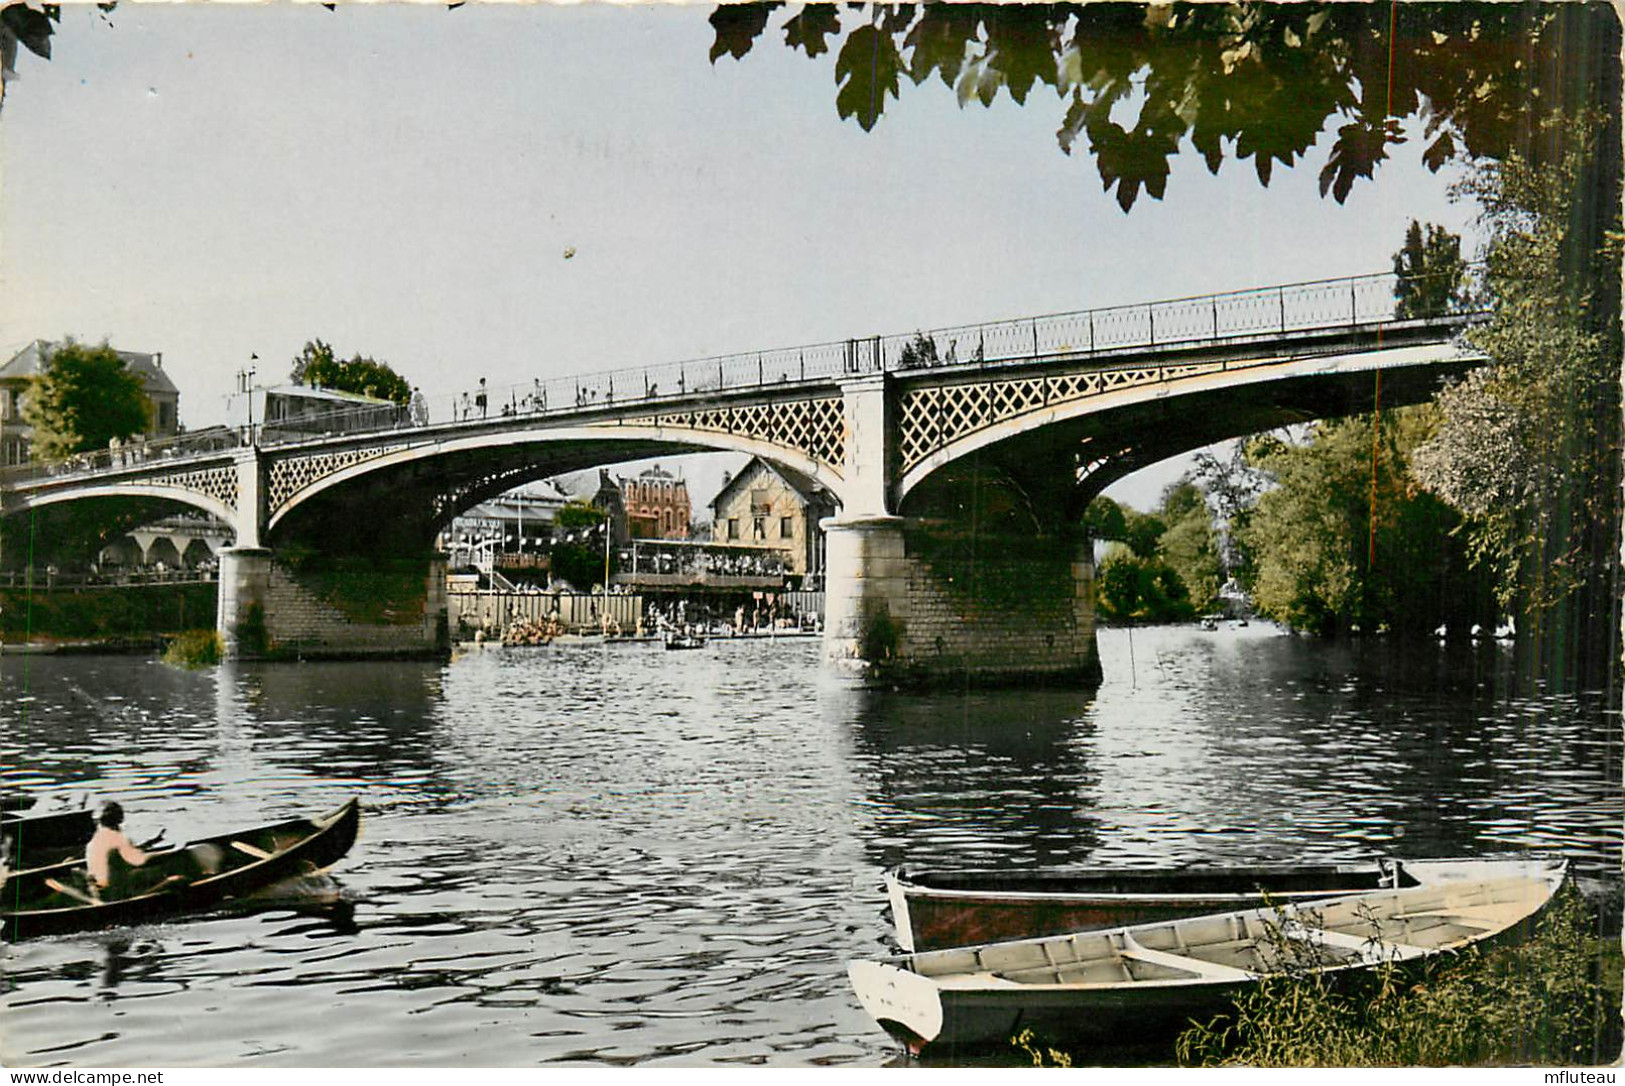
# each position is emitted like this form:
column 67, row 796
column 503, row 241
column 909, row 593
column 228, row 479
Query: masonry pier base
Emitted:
column 333, row 609
column 910, row 603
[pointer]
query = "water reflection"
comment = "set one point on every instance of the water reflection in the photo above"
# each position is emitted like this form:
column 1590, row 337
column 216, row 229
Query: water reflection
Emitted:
column 974, row 777
column 616, row 855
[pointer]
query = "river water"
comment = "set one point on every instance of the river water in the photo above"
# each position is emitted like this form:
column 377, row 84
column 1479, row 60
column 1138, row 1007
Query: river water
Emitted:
column 610, row 855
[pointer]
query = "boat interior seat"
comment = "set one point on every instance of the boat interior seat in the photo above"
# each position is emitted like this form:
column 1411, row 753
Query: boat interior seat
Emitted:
column 1190, row 966
column 1342, row 940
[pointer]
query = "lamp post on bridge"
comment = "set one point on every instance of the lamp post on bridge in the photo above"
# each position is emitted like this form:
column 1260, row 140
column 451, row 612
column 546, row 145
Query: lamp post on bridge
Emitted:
column 245, row 385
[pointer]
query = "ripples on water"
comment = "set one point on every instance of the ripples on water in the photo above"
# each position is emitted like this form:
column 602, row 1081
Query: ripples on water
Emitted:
column 619, row 855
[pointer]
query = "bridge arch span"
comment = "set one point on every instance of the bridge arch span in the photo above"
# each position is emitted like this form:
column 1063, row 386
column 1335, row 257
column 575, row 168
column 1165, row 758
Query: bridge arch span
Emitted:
column 191, row 499
column 454, row 473
column 1137, row 417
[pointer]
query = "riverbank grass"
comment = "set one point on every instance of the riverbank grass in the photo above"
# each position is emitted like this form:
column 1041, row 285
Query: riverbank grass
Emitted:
column 1552, row 1000
column 195, row 648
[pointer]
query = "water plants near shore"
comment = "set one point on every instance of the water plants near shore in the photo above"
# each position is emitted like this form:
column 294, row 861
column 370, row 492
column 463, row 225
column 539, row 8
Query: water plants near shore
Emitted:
column 195, row 648
column 1553, row 1000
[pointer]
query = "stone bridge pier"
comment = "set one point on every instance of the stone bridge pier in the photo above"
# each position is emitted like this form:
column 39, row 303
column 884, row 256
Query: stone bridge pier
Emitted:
column 983, row 577
column 337, row 583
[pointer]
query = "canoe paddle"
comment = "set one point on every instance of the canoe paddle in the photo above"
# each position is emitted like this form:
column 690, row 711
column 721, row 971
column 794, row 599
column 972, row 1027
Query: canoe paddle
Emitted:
column 68, row 891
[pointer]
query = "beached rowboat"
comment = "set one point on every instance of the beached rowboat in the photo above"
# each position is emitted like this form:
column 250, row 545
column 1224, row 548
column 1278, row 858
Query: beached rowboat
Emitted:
column 937, row 908
column 1090, row 990
column 201, row 875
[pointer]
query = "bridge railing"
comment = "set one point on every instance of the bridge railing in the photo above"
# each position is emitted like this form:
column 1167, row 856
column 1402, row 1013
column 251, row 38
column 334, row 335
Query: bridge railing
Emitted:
column 1327, row 304
column 131, row 454
column 1324, row 304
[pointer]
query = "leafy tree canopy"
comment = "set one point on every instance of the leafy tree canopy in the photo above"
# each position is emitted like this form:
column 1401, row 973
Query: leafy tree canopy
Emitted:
column 1165, row 567
column 1132, row 588
column 1430, row 272
column 579, row 561
column 316, row 365
column 579, row 514
column 1105, row 519
column 1190, row 545
column 1347, row 540
column 1251, row 80
column 85, row 398
column 1529, row 448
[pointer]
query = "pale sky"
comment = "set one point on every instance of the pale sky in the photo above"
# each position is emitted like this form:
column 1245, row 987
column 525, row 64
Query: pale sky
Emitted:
column 215, row 182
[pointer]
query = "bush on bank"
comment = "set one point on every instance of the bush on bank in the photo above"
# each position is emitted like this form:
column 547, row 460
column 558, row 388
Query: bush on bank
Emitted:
column 195, row 648
column 123, row 612
column 1552, row 1000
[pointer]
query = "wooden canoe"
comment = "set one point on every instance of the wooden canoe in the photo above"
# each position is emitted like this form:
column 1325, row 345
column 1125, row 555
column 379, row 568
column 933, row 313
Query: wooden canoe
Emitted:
column 936, row 908
column 38, row 840
column 1088, row 992
column 200, row 875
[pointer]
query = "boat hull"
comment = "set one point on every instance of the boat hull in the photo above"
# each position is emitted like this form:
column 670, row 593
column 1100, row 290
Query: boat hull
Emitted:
column 1097, row 994
column 199, row 876
column 942, row 1023
column 39, row 840
column 936, row 909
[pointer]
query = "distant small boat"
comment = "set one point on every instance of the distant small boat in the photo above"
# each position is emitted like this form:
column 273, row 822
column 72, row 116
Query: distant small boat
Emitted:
column 1210, row 623
column 935, row 908
column 685, row 641
column 201, row 875
column 38, row 840
column 1146, row 982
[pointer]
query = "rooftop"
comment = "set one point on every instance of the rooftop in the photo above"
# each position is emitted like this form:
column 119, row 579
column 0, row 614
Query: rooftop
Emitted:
column 33, row 359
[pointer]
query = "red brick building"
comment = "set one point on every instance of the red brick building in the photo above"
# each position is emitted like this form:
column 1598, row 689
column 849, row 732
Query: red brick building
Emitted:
column 656, row 504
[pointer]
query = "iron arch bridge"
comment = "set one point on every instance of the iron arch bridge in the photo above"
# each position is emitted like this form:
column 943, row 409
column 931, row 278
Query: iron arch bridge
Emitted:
column 905, row 431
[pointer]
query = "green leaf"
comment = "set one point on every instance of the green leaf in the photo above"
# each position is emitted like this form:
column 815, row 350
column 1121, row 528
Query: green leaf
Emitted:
column 1359, row 147
column 1021, row 47
column 940, row 40
column 31, row 28
column 869, row 63
column 1439, row 151
column 808, row 29
column 738, row 26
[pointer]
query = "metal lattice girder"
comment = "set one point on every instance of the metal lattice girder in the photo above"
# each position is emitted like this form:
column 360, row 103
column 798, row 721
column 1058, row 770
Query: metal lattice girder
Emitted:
column 931, row 418
column 816, row 427
column 218, row 483
column 289, row 476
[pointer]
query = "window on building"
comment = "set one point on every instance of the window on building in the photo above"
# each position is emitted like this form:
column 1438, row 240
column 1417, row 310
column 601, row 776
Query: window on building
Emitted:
column 787, row 527
column 759, row 502
column 733, row 527
column 166, row 416
column 758, row 529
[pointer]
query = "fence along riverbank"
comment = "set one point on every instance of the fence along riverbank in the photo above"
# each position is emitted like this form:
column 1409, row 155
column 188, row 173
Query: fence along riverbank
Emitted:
column 580, row 612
